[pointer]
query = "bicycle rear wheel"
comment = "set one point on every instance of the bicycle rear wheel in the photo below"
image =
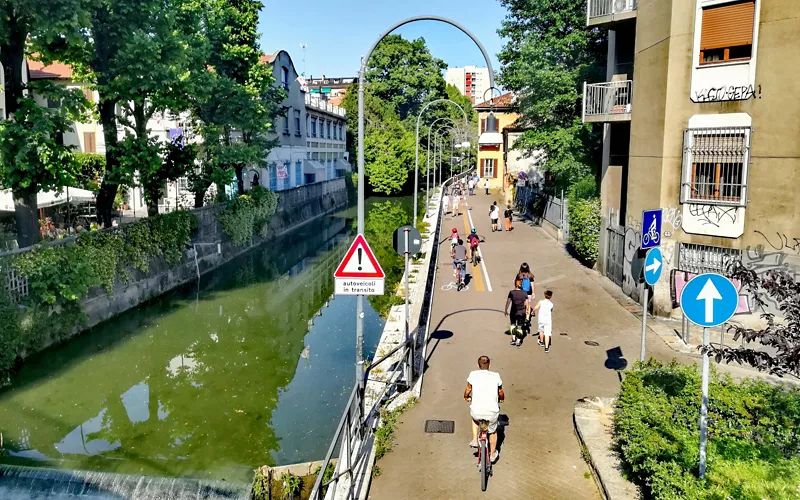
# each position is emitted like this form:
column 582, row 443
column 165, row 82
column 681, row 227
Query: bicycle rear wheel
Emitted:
column 484, row 451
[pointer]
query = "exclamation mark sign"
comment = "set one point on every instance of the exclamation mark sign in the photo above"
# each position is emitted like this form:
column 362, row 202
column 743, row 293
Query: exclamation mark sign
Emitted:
column 360, row 251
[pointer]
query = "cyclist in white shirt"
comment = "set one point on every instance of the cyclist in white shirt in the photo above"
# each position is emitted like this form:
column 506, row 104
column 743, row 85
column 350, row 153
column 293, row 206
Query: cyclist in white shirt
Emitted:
column 484, row 392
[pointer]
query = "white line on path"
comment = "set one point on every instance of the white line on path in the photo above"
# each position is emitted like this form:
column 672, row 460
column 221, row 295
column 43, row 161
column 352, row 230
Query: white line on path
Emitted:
column 483, row 262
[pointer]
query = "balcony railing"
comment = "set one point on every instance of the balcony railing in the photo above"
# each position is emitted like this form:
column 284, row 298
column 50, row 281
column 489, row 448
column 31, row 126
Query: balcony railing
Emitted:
column 607, row 101
column 322, row 105
column 602, row 8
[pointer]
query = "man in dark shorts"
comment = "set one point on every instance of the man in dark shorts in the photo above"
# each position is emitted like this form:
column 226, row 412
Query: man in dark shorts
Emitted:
column 520, row 311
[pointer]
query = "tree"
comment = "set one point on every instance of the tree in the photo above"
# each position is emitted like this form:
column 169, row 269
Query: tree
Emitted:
column 27, row 27
column 33, row 156
column 243, row 102
column 405, row 74
column 781, row 336
column 549, row 54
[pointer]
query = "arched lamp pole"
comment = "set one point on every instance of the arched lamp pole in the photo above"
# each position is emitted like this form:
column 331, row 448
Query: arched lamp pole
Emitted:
column 427, row 172
column 361, row 77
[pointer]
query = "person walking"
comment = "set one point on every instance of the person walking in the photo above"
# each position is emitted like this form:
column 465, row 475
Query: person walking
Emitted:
column 509, row 214
column 484, row 393
column 494, row 216
column 520, row 312
column 544, row 311
column 526, row 276
column 471, row 185
column 456, row 199
column 486, row 185
column 445, row 203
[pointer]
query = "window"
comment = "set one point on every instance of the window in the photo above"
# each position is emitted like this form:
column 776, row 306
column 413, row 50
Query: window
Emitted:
column 335, row 134
column 341, row 132
column 715, row 165
column 183, row 184
column 313, row 127
column 298, row 173
column 699, row 259
column 308, row 127
column 89, row 144
column 727, row 32
column 297, row 122
column 53, row 103
column 285, row 77
column 488, row 168
column 286, row 124
column 329, row 128
column 273, row 177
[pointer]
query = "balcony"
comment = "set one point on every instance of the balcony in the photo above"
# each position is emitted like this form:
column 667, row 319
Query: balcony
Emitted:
column 323, row 105
column 607, row 102
column 606, row 12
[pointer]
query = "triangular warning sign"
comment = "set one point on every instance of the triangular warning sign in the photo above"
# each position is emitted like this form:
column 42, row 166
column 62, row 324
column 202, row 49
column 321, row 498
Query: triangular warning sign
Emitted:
column 359, row 262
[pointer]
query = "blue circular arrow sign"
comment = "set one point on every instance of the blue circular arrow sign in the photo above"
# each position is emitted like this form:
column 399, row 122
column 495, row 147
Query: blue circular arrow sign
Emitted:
column 709, row 300
column 653, row 265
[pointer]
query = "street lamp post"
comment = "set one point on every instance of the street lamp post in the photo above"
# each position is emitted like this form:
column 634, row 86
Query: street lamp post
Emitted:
column 427, row 173
column 361, row 79
column 416, row 152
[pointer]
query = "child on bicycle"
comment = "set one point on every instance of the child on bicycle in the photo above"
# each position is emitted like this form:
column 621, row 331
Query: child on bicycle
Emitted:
column 474, row 240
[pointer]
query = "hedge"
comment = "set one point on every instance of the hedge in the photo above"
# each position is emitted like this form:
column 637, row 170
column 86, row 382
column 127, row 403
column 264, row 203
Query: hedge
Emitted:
column 753, row 435
column 584, row 228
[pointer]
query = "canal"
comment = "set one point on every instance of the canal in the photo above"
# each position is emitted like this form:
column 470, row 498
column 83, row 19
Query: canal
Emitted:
column 250, row 366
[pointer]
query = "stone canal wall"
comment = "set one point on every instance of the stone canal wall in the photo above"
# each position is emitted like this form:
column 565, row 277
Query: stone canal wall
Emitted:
column 296, row 207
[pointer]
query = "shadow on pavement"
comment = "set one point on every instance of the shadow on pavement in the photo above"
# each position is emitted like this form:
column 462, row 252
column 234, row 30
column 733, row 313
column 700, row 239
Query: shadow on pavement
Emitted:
column 440, row 335
column 615, row 359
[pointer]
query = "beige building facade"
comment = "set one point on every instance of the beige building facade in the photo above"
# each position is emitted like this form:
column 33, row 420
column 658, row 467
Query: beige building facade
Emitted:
column 700, row 119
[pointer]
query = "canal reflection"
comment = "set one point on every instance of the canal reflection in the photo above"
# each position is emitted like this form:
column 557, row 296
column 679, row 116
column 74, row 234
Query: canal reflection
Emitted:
column 252, row 366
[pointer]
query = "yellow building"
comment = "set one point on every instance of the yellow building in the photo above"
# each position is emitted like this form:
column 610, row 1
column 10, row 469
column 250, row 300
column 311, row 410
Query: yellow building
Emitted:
column 495, row 115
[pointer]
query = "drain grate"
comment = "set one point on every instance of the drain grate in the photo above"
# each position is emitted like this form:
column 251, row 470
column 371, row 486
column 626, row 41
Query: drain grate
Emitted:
column 591, row 343
column 440, row 426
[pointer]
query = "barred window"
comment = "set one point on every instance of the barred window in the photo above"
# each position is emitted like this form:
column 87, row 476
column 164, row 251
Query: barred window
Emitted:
column 715, row 165
column 699, row 259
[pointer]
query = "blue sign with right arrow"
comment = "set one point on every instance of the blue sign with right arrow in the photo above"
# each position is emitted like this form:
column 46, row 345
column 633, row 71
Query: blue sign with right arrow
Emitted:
column 709, row 300
column 653, row 266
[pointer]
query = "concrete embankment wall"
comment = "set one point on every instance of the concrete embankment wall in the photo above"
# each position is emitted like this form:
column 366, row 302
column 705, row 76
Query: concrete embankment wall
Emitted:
column 296, row 207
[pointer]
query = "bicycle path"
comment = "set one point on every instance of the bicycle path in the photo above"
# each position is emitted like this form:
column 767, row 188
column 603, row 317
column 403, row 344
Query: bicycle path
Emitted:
column 539, row 453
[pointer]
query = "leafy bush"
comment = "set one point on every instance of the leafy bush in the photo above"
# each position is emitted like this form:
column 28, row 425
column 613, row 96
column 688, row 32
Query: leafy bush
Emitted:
column 248, row 215
column 91, row 167
column 584, row 189
column 753, row 435
column 584, row 228
column 60, row 276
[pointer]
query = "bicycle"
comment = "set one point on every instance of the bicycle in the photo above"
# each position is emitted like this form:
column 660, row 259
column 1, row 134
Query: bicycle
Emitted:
column 460, row 278
column 651, row 234
column 484, row 460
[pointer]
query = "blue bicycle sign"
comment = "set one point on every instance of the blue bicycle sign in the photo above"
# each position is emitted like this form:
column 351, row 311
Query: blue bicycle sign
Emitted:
column 651, row 228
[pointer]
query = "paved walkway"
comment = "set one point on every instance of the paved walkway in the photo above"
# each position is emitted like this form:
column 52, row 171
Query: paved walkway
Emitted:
column 540, row 457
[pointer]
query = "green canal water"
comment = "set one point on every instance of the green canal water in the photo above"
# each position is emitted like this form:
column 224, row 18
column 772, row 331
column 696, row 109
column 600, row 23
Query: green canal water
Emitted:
column 252, row 365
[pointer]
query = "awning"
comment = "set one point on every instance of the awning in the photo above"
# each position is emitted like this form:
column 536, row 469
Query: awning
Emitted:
column 311, row 167
column 49, row 198
column 342, row 164
column 490, row 138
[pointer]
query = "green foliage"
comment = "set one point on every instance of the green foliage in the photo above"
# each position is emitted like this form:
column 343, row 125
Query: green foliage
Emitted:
column 549, row 54
column 90, row 167
column 385, row 433
column 291, row 485
column 248, row 215
column 59, row 276
column 753, row 441
column 261, row 485
column 388, row 152
column 584, row 228
column 584, row 189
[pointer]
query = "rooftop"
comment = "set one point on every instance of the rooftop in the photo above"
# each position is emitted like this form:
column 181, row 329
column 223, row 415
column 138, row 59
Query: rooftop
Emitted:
column 40, row 71
column 503, row 101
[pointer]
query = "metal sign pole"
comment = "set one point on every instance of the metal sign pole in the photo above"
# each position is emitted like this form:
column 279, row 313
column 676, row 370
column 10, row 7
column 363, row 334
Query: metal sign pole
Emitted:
column 644, row 320
column 704, row 407
column 410, row 368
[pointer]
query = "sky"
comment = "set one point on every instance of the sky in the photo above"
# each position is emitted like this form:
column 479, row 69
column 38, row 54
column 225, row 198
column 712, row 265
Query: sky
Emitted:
column 338, row 33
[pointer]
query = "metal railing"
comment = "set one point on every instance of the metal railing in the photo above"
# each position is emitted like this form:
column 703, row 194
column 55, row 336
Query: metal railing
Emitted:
column 607, row 98
column 323, row 105
column 353, row 436
column 600, row 8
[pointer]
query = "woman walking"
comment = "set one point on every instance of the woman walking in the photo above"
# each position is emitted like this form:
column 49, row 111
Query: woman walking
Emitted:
column 526, row 276
column 509, row 214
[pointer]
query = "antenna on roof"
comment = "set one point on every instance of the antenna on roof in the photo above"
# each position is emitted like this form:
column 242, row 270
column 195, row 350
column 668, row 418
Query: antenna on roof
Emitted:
column 304, row 46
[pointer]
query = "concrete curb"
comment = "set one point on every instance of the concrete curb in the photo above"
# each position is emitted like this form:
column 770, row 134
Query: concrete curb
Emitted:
column 593, row 425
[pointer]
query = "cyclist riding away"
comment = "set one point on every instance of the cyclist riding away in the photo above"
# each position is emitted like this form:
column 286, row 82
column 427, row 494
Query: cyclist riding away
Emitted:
column 460, row 259
column 474, row 240
column 484, row 392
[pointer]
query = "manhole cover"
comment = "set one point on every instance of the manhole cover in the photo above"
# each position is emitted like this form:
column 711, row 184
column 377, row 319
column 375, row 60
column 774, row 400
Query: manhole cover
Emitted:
column 440, row 426
column 563, row 334
column 591, row 343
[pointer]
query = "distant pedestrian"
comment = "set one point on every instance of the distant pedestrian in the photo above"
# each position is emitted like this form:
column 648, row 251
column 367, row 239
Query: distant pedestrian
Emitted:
column 494, row 215
column 509, row 214
column 544, row 312
column 471, row 185
column 520, row 312
column 486, row 185
column 445, row 203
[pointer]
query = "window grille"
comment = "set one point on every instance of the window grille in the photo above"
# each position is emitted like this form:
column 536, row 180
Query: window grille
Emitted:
column 715, row 165
column 16, row 285
column 701, row 259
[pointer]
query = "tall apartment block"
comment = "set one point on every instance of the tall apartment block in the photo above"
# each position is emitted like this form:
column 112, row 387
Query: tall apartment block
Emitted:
column 700, row 118
column 471, row 81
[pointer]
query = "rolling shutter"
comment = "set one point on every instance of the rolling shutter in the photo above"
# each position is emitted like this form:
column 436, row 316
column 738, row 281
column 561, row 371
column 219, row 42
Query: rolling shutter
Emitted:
column 729, row 25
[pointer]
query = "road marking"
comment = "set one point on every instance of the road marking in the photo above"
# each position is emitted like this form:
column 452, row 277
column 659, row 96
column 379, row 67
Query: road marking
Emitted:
column 550, row 280
column 479, row 285
column 483, row 262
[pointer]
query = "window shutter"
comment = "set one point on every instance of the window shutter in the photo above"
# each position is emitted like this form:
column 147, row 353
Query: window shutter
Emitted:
column 483, row 163
column 496, row 168
column 483, row 125
column 89, row 142
column 728, row 25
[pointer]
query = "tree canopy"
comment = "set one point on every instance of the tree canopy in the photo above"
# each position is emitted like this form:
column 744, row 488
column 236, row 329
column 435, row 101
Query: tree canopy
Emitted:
column 549, row 54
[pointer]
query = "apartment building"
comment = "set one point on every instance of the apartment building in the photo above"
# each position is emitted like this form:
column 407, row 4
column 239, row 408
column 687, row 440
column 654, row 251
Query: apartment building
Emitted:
column 330, row 88
column 471, row 81
column 700, row 119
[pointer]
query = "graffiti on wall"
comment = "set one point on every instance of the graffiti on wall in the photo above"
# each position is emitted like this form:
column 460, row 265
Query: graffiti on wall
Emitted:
column 713, row 220
column 726, row 93
column 762, row 261
column 673, row 218
column 678, row 279
column 633, row 240
column 781, row 242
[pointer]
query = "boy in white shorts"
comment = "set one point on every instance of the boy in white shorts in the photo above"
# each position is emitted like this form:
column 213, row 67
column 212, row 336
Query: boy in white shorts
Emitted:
column 544, row 311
